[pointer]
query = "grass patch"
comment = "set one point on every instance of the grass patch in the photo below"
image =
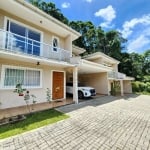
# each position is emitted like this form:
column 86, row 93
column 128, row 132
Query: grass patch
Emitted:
column 32, row 121
column 142, row 93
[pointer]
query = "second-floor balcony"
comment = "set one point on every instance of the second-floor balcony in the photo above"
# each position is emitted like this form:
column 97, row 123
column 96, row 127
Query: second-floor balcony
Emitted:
column 116, row 75
column 15, row 43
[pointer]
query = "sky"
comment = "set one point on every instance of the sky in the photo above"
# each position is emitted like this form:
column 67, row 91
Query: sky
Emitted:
column 131, row 18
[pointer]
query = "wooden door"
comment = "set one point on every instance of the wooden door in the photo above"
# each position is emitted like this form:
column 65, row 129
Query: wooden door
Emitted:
column 58, row 85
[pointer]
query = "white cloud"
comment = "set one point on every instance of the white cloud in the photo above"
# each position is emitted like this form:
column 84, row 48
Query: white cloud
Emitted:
column 65, row 5
column 108, row 14
column 128, row 26
column 89, row 1
column 137, row 31
column 137, row 44
column 106, row 25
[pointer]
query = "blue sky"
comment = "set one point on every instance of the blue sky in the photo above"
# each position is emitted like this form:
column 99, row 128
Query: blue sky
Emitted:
column 131, row 18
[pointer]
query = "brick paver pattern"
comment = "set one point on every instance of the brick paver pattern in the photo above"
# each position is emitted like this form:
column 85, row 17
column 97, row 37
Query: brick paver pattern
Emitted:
column 105, row 123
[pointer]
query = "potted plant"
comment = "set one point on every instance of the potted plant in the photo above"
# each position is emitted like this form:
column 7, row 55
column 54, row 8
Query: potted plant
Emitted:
column 19, row 89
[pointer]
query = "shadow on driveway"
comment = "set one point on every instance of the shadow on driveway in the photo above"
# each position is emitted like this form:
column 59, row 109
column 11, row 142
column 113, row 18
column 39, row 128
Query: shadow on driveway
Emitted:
column 95, row 101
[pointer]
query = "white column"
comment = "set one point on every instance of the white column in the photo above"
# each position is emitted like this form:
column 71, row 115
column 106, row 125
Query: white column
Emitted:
column 121, row 85
column 75, row 85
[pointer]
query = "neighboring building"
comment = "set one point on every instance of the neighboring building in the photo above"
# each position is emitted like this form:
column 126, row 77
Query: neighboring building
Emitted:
column 101, row 72
column 114, row 78
column 36, row 50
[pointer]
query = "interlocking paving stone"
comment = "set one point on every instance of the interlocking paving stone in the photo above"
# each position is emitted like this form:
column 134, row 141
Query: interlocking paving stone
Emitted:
column 105, row 123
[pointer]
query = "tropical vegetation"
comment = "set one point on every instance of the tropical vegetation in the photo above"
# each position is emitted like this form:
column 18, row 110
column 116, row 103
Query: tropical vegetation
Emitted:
column 112, row 43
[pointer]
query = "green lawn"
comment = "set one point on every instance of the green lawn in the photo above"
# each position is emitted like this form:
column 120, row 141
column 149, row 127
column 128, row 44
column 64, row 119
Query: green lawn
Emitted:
column 142, row 93
column 32, row 121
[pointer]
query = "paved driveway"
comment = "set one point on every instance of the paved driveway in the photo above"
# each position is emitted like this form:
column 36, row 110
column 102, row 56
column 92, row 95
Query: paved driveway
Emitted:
column 104, row 123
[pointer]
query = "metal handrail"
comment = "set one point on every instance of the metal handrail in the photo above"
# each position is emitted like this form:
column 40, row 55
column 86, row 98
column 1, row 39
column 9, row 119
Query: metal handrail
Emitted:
column 17, row 43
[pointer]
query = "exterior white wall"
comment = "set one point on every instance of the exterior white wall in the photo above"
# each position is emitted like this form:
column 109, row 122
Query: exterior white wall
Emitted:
column 1, row 21
column 97, row 80
column 10, row 99
column 47, row 36
column 115, row 67
column 127, row 87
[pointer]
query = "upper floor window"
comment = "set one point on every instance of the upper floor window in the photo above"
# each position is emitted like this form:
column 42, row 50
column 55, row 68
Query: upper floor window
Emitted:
column 55, row 44
column 23, row 39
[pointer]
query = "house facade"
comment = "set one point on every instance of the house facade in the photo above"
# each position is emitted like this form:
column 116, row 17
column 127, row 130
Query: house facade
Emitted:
column 36, row 51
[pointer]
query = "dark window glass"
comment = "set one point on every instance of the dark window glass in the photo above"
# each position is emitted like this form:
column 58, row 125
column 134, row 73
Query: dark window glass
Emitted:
column 18, row 40
column 55, row 44
column 34, row 44
column 23, row 39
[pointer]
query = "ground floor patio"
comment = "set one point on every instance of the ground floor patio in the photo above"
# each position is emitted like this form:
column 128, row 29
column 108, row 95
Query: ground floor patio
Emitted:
column 107, row 122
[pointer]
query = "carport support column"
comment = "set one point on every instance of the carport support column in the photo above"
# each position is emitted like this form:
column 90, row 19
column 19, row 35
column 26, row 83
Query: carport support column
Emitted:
column 75, row 85
column 121, row 85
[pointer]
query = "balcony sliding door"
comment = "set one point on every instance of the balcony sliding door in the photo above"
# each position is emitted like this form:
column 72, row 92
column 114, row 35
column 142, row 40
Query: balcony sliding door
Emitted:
column 22, row 39
column 33, row 43
column 17, row 40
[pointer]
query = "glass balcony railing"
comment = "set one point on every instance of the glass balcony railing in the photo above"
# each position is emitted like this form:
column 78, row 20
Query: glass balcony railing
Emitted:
column 19, row 44
column 116, row 75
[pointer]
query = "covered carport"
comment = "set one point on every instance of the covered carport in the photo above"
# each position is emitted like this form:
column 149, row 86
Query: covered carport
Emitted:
column 90, row 74
column 94, row 75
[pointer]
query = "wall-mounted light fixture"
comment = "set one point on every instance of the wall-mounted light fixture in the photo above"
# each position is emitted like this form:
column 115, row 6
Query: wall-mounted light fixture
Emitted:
column 38, row 63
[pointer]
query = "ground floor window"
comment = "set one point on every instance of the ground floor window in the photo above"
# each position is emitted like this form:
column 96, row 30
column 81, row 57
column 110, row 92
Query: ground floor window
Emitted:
column 26, row 76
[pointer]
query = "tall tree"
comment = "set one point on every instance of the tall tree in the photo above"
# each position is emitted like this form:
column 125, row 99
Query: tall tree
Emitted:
column 111, row 43
column 132, row 65
column 146, row 65
column 88, row 35
column 50, row 8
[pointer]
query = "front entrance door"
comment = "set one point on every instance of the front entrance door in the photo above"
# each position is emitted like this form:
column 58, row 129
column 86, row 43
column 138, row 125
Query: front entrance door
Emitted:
column 58, row 85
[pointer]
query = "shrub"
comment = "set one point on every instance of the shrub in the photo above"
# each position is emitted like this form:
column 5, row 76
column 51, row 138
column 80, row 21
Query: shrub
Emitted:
column 138, row 86
column 147, row 87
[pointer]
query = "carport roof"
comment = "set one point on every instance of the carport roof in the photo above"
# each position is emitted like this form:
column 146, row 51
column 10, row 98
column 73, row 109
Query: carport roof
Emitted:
column 88, row 67
column 101, row 55
column 77, row 50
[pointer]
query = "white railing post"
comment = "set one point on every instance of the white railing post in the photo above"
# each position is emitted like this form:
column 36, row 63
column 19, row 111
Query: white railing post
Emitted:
column 60, row 57
column 32, row 47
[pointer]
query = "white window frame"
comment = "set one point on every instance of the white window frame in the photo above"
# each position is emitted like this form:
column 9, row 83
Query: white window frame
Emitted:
column 54, row 37
column 26, row 26
column 4, row 67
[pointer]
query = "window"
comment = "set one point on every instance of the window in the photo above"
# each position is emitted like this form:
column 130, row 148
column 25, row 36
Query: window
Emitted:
column 23, row 39
column 29, row 78
column 55, row 44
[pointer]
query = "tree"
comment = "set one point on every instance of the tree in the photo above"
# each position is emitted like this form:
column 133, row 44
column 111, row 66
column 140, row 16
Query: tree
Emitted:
column 132, row 65
column 146, row 65
column 94, row 39
column 88, row 35
column 111, row 43
column 50, row 8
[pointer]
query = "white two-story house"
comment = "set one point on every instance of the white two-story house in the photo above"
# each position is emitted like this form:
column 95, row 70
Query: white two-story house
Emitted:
column 35, row 50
